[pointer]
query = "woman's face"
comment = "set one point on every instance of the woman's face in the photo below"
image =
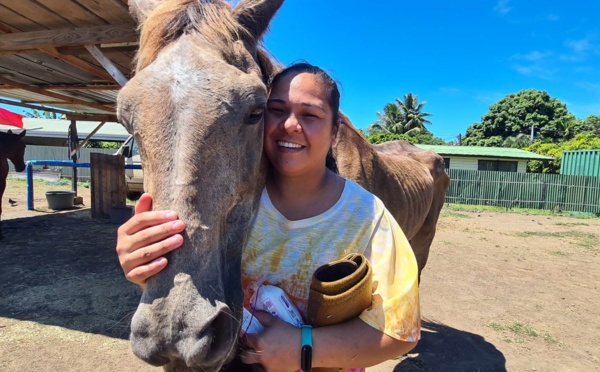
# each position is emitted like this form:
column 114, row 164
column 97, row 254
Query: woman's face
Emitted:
column 298, row 125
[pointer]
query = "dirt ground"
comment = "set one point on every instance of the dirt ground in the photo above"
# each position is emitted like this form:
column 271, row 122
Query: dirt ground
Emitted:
column 501, row 291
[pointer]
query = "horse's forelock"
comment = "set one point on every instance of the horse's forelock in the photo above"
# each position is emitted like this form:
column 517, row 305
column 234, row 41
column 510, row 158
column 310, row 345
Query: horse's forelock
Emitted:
column 213, row 20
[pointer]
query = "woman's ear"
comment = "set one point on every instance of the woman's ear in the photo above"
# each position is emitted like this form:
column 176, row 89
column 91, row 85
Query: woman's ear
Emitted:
column 334, row 132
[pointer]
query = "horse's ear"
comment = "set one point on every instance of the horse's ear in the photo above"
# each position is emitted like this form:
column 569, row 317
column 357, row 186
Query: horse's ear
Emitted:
column 139, row 9
column 255, row 15
column 22, row 134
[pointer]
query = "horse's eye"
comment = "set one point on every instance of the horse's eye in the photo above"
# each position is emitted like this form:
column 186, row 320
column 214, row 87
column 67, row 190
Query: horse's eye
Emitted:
column 255, row 116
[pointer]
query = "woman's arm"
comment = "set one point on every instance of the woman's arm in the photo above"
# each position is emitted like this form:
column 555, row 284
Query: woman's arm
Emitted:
column 353, row 344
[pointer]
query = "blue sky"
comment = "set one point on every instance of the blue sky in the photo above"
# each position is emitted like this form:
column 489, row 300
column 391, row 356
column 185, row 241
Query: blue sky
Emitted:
column 460, row 56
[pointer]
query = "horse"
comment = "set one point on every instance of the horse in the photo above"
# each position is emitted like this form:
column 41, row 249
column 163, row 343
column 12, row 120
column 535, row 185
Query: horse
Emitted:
column 195, row 106
column 13, row 148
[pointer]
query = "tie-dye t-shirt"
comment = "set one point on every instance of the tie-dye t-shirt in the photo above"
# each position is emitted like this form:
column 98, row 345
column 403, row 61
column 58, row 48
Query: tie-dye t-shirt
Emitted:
column 285, row 253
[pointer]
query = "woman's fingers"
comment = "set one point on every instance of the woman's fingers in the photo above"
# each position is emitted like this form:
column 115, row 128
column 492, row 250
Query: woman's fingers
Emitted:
column 144, row 204
column 148, row 253
column 142, row 273
column 143, row 220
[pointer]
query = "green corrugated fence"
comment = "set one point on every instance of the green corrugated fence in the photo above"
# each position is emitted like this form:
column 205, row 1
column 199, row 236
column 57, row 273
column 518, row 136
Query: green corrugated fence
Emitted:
column 525, row 190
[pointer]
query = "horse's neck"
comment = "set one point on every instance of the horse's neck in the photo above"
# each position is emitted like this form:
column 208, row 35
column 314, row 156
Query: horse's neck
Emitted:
column 354, row 154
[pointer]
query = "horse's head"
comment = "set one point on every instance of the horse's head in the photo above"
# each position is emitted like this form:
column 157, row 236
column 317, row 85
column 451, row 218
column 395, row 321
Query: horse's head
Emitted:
column 195, row 106
column 14, row 149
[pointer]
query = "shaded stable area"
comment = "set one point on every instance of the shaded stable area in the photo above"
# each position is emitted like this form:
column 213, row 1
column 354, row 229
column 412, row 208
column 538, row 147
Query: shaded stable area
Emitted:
column 62, row 270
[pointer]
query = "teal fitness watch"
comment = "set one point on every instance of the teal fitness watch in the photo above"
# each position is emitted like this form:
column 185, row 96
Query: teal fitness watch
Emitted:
column 306, row 351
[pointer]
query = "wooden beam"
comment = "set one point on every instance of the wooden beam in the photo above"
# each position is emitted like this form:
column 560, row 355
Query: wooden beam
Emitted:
column 86, row 140
column 66, row 87
column 62, row 97
column 82, row 87
column 116, row 74
column 34, row 107
column 69, row 59
column 79, row 63
column 92, row 117
column 17, row 41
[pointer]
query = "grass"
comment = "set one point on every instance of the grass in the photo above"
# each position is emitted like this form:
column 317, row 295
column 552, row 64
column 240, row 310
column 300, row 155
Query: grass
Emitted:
column 558, row 253
column 490, row 208
column 571, row 224
column 521, row 332
column 448, row 213
column 588, row 241
column 21, row 183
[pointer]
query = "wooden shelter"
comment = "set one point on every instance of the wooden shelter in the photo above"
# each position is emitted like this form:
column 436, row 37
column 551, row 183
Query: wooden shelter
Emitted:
column 66, row 56
column 69, row 54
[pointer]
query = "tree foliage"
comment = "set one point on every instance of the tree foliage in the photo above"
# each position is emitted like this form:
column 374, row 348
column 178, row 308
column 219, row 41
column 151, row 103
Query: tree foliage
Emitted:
column 582, row 141
column 103, row 145
column 401, row 117
column 591, row 124
column 40, row 114
column 422, row 138
column 514, row 116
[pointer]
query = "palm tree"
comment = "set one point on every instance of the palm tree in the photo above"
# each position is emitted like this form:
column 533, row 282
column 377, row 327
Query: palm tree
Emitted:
column 389, row 122
column 414, row 118
column 401, row 117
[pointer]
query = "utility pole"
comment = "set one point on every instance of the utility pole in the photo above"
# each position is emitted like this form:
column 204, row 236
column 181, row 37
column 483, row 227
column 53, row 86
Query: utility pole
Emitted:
column 532, row 132
column 460, row 139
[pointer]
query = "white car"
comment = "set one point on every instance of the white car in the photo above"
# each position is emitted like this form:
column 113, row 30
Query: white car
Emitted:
column 134, row 176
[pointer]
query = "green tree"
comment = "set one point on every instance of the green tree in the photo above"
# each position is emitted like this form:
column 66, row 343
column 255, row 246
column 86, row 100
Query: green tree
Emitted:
column 40, row 114
column 517, row 113
column 421, row 138
column 103, row 145
column 591, row 124
column 401, row 117
column 581, row 141
column 390, row 121
column 414, row 117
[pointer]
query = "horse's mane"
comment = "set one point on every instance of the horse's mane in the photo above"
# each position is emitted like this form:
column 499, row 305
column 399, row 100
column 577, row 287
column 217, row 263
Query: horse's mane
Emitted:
column 172, row 19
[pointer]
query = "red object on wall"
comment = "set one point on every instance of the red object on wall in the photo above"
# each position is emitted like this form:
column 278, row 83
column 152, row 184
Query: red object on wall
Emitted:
column 10, row 118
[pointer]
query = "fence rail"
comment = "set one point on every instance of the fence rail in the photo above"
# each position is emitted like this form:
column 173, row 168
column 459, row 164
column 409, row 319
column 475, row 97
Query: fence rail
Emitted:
column 525, row 190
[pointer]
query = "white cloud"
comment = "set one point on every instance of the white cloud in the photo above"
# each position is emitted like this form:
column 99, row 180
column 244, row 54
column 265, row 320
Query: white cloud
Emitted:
column 536, row 70
column 552, row 17
column 533, row 56
column 595, row 88
column 580, row 49
column 502, row 7
column 580, row 45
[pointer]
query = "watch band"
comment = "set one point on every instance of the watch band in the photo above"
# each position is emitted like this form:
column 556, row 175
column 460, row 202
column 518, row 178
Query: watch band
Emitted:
column 306, row 350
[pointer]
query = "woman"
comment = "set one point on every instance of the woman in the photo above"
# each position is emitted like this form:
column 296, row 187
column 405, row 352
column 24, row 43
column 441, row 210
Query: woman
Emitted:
column 308, row 216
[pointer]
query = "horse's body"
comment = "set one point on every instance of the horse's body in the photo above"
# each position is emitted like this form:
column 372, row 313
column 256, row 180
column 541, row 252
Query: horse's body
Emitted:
column 195, row 107
column 411, row 182
column 13, row 149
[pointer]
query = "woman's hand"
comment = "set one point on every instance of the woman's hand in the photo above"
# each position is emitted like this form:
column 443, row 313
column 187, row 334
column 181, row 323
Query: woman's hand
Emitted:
column 143, row 241
column 277, row 348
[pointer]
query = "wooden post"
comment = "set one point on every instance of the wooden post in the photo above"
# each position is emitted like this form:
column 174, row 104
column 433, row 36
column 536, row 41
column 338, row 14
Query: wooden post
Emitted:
column 108, row 183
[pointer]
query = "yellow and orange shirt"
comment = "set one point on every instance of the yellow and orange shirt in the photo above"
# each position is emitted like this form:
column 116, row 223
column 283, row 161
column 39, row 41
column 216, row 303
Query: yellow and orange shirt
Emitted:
column 285, row 253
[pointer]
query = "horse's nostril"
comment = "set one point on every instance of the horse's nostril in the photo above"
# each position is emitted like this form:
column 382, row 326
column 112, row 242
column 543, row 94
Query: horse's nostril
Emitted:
column 223, row 333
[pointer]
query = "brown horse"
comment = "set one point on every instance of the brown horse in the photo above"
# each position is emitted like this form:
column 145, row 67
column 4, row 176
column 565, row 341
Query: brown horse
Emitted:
column 13, row 148
column 195, row 106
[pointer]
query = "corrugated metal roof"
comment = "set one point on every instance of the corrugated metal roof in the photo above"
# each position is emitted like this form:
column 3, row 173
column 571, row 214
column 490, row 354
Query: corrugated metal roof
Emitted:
column 490, row 152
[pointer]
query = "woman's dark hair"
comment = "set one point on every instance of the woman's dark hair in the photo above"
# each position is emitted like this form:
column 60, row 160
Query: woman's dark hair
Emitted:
column 333, row 96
